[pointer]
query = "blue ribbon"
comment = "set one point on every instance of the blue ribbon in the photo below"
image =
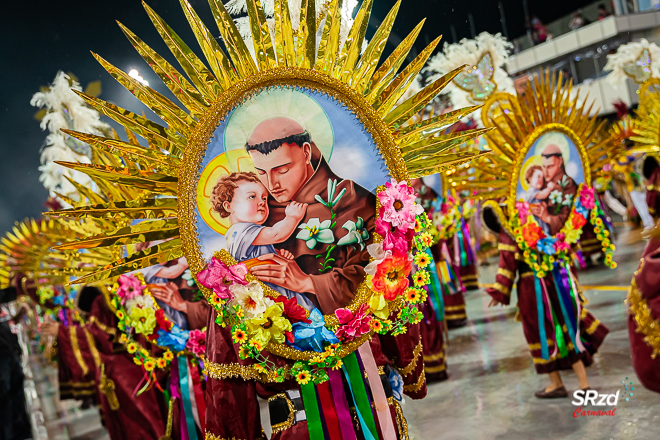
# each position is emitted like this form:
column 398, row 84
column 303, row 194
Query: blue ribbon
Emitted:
column 185, row 394
column 541, row 318
column 363, row 424
column 436, row 291
column 564, row 311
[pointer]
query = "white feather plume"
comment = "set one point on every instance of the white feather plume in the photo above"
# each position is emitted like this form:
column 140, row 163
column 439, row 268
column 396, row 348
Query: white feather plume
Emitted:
column 470, row 51
column 65, row 109
column 629, row 53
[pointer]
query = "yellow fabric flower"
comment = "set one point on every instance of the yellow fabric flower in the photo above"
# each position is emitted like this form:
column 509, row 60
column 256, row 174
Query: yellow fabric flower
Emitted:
column 270, row 324
column 572, row 235
column 132, row 347
column 149, row 365
column 168, row 355
column 162, row 363
column 143, row 320
column 303, row 377
column 137, row 361
column 379, row 306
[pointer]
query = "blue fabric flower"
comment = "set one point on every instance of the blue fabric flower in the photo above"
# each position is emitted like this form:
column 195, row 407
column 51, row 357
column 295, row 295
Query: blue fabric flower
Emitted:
column 175, row 339
column 581, row 209
column 58, row 300
column 396, row 382
column 546, row 245
column 311, row 336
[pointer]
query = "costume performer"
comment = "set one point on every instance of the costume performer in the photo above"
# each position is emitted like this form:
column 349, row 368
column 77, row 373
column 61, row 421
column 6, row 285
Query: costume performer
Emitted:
column 644, row 307
column 560, row 331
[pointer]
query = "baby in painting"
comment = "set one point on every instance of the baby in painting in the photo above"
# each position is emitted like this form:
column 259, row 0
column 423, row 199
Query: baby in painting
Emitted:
column 242, row 198
column 539, row 190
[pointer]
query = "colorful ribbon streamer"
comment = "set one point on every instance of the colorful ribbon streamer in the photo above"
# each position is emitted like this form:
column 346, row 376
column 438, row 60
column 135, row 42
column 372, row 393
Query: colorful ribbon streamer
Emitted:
column 314, row 425
column 329, row 412
column 540, row 315
column 377, row 391
column 359, row 394
column 184, row 381
column 341, row 405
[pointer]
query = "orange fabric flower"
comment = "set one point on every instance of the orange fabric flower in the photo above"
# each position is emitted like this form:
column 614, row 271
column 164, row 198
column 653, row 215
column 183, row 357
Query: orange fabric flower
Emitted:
column 578, row 221
column 391, row 277
column 532, row 233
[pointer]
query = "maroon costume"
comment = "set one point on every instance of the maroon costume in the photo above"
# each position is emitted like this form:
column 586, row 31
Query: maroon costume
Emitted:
column 653, row 192
column 592, row 331
column 644, row 318
column 433, row 342
column 232, row 409
column 455, row 313
column 75, row 364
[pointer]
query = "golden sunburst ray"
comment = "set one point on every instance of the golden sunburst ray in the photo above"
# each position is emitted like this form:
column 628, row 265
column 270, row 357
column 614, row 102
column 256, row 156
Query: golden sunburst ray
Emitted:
column 148, row 173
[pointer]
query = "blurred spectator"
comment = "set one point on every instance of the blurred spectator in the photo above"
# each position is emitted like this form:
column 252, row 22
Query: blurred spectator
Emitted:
column 539, row 31
column 578, row 20
column 602, row 12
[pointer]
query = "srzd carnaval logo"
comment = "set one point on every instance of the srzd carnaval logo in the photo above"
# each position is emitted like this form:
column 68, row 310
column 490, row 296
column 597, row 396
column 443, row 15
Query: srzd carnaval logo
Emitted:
column 593, row 398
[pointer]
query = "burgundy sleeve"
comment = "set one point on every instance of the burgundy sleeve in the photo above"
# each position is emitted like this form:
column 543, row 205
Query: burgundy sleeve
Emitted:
column 506, row 271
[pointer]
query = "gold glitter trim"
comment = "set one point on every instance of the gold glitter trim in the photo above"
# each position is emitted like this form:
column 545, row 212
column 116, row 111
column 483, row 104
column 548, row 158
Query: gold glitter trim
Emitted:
column 526, row 274
column 507, row 248
column 110, row 331
column 455, row 316
column 468, row 277
column 503, row 289
column 592, row 328
column 210, row 436
column 413, row 388
column 247, row 372
column 77, row 384
column 279, row 427
column 436, row 369
column 537, row 345
column 506, row 273
column 413, row 364
column 457, row 308
column 590, row 241
column 545, row 361
column 92, row 347
column 401, row 422
column 434, row 357
column 641, row 313
column 76, row 350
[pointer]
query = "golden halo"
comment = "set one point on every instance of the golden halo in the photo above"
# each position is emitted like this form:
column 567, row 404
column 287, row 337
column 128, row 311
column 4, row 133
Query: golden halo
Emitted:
column 533, row 160
column 223, row 164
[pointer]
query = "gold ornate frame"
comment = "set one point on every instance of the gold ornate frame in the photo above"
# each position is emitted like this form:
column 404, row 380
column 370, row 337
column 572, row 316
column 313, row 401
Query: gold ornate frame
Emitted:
column 196, row 149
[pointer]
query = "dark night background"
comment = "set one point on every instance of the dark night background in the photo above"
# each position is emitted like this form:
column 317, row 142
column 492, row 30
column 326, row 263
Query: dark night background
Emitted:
column 41, row 37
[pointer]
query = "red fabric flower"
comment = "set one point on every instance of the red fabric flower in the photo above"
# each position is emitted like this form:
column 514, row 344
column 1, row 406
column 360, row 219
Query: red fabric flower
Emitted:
column 353, row 325
column 292, row 310
column 532, row 233
column 162, row 322
column 391, row 277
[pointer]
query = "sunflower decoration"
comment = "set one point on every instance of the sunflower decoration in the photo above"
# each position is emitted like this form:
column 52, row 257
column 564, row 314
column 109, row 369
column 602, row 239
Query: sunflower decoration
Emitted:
column 313, row 95
column 549, row 151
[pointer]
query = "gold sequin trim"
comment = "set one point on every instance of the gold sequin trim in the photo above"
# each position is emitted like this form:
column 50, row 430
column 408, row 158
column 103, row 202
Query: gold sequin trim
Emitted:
column 592, row 328
column 279, row 427
column 537, row 345
column 455, row 308
column 641, row 313
column 590, row 241
column 545, row 361
column 225, row 371
column 401, row 423
column 468, row 277
column 436, row 369
column 76, row 350
column 505, row 290
column 77, row 384
column 413, row 364
column 453, row 316
column 109, row 330
column 526, row 274
column 92, row 347
column 413, row 388
column 434, row 357
column 210, row 436
column 507, row 247
column 506, row 273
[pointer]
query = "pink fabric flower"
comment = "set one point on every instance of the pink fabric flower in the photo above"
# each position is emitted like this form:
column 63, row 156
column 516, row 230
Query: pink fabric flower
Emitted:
column 587, row 198
column 218, row 277
column 129, row 287
column 353, row 325
column 196, row 342
column 394, row 238
column 560, row 244
column 398, row 201
column 523, row 211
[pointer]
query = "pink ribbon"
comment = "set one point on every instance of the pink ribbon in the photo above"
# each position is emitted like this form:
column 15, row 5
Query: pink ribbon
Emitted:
column 378, row 393
column 341, row 405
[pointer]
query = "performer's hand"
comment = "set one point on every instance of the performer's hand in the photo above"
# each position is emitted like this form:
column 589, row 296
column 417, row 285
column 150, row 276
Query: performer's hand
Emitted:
column 50, row 328
column 169, row 294
column 493, row 302
column 285, row 254
column 286, row 273
column 295, row 210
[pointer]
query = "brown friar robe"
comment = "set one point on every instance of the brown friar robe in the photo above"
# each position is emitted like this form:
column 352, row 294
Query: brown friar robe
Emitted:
column 557, row 220
column 644, row 303
column 592, row 331
column 336, row 287
column 233, row 384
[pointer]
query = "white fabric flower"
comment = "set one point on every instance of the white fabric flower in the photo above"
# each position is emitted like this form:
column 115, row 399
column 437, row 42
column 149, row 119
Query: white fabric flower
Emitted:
column 251, row 298
column 379, row 254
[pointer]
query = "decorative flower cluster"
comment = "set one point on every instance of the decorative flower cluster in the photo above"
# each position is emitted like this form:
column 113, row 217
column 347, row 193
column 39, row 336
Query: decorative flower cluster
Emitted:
column 139, row 314
column 258, row 317
column 540, row 251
